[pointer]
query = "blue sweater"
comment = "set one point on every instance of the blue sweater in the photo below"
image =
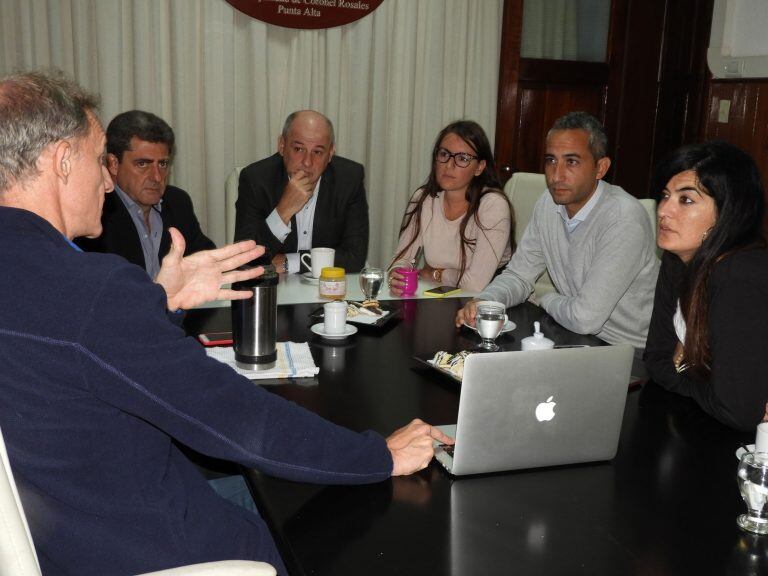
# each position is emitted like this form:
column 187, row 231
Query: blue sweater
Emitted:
column 94, row 385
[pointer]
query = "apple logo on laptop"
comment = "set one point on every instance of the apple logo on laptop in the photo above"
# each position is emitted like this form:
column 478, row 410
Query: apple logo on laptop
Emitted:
column 546, row 410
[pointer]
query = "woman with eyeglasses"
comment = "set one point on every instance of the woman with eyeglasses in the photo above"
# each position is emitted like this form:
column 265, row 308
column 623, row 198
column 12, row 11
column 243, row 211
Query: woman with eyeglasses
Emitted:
column 708, row 337
column 460, row 218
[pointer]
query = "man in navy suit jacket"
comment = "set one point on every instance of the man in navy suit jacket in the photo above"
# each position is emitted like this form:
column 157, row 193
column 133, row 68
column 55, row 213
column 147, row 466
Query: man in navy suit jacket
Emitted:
column 136, row 219
column 304, row 196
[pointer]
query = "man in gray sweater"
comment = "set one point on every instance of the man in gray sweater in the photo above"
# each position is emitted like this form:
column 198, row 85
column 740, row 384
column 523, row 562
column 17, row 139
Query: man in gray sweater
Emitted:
column 594, row 239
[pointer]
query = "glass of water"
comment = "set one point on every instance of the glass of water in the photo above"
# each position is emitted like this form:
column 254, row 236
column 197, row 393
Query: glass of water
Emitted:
column 490, row 320
column 371, row 280
column 752, row 478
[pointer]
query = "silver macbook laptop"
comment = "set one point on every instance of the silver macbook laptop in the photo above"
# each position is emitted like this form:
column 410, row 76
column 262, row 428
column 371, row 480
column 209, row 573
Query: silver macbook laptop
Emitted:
column 538, row 408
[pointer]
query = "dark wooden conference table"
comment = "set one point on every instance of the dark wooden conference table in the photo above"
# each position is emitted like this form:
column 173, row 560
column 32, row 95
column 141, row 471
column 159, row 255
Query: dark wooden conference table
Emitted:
column 667, row 504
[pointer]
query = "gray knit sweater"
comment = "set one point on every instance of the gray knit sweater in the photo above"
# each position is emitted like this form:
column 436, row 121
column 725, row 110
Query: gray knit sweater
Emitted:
column 604, row 272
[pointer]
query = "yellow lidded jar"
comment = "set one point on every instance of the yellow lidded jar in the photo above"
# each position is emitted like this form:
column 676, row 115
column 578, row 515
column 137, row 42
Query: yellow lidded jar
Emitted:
column 333, row 283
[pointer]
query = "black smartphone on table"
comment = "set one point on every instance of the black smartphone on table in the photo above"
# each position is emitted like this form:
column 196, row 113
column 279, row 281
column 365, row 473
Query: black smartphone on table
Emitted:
column 441, row 291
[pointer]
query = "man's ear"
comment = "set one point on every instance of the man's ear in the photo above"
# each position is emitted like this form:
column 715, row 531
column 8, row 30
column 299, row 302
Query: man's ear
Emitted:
column 280, row 145
column 602, row 166
column 112, row 165
column 62, row 160
column 331, row 152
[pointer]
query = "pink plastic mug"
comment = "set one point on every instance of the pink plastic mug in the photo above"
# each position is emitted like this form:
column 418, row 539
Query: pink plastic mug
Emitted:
column 410, row 279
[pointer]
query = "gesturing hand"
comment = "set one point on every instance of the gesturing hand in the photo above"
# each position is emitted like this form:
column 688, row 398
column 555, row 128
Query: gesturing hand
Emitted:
column 198, row 278
column 411, row 446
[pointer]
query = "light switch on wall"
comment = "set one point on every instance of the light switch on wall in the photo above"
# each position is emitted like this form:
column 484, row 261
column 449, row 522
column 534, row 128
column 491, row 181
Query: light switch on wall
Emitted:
column 723, row 111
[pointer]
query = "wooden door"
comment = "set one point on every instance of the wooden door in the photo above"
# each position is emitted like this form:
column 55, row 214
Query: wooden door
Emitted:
column 649, row 92
column 534, row 92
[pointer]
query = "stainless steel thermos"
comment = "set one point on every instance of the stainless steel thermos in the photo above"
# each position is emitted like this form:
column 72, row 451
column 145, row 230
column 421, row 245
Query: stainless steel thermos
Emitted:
column 254, row 321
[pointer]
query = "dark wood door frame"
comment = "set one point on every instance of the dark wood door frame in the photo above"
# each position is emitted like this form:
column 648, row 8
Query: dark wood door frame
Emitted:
column 649, row 93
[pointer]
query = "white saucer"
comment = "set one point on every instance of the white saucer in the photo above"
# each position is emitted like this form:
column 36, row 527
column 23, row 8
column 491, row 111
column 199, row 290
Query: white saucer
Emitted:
column 319, row 329
column 740, row 451
column 508, row 327
column 309, row 279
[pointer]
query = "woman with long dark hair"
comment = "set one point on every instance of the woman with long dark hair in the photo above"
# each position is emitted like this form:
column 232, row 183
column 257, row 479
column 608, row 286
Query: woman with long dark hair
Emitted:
column 459, row 217
column 708, row 337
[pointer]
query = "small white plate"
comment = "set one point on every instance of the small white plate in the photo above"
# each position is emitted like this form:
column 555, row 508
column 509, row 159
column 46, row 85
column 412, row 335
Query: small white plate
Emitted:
column 508, row 327
column 740, row 451
column 309, row 279
column 319, row 329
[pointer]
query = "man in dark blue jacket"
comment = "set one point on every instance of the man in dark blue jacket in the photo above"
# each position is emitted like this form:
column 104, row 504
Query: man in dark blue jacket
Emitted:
column 96, row 382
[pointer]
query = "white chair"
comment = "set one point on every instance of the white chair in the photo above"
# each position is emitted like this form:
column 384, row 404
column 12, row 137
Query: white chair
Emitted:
column 650, row 207
column 230, row 197
column 17, row 551
column 523, row 190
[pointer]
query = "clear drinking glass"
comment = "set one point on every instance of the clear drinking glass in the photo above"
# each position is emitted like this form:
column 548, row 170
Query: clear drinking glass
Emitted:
column 752, row 478
column 490, row 320
column 371, row 280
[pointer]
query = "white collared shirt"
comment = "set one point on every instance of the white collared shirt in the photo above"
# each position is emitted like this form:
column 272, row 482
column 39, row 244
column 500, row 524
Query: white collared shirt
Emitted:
column 572, row 223
column 305, row 220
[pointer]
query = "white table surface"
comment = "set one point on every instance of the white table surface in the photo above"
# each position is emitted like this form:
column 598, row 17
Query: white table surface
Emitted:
column 293, row 289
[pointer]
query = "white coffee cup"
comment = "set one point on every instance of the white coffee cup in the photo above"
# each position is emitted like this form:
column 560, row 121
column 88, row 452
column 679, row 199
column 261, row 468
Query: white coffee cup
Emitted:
column 335, row 318
column 319, row 258
column 761, row 440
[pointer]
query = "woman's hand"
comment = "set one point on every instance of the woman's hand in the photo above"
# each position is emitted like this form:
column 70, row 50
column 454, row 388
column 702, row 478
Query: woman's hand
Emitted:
column 396, row 282
column 427, row 273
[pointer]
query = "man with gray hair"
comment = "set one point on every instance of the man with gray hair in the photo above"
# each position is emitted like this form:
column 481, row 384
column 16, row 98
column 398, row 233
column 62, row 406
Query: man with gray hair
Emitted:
column 100, row 390
column 594, row 239
column 305, row 196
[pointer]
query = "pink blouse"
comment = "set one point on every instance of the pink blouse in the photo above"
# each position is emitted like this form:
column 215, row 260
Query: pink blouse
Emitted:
column 440, row 238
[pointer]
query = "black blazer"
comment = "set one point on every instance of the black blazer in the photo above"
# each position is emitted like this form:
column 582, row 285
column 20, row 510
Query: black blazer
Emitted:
column 341, row 214
column 119, row 235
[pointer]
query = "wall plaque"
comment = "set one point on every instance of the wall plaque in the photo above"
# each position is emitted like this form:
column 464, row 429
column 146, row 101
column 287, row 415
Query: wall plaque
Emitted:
column 306, row 14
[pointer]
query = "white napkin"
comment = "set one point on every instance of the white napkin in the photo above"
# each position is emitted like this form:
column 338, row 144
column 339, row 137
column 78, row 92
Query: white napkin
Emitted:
column 294, row 360
column 361, row 318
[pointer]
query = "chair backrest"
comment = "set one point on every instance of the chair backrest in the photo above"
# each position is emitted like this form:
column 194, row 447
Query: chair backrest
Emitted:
column 523, row 190
column 17, row 551
column 650, row 207
column 230, row 197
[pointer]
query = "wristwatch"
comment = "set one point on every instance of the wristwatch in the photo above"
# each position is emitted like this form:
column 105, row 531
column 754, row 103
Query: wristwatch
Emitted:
column 437, row 274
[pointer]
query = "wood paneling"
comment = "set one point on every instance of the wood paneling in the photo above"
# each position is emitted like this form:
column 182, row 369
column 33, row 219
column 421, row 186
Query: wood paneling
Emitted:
column 747, row 125
column 540, row 106
column 662, row 91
